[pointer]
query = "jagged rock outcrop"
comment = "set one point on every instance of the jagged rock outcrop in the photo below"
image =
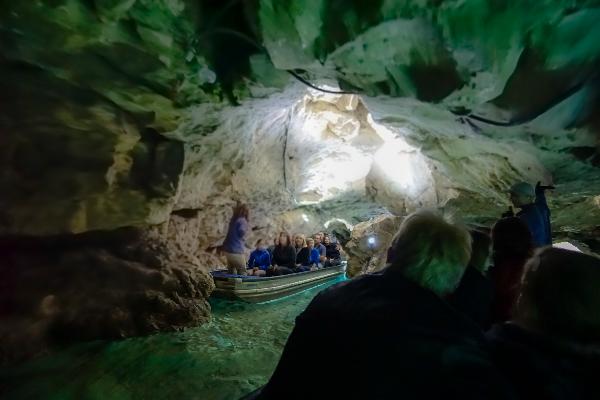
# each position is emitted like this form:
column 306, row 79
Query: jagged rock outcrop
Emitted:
column 94, row 285
column 369, row 242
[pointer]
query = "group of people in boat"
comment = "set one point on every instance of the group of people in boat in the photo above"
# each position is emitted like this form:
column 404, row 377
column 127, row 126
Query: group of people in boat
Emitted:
column 284, row 256
column 439, row 322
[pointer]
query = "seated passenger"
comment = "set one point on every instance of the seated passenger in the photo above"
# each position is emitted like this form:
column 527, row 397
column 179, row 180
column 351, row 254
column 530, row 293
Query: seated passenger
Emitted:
column 512, row 246
column 259, row 261
column 272, row 247
column 394, row 327
column 474, row 294
column 319, row 246
column 302, row 254
column 332, row 252
column 314, row 259
column 284, row 257
column 551, row 348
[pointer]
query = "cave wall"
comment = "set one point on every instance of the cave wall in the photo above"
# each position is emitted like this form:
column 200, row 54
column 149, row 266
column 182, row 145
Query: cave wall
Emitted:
column 159, row 116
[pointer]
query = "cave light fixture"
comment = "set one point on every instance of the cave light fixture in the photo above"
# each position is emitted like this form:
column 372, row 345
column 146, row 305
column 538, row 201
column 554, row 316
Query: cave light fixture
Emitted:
column 371, row 241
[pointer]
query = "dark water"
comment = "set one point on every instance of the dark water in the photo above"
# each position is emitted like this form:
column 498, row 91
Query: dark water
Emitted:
column 224, row 359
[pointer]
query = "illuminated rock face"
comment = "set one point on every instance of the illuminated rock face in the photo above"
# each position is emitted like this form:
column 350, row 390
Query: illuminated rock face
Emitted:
column 369, row 242
column 122, row 114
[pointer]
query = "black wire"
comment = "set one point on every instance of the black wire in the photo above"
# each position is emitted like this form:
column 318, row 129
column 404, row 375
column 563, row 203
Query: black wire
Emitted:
column 246, row 38
column 285, row 141
column 531, row 116
column 512, row 122
column 307, row 83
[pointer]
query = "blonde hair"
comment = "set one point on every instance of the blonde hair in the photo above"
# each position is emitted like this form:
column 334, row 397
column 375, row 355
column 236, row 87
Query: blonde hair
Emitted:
column 300, row 235
column 431, row 251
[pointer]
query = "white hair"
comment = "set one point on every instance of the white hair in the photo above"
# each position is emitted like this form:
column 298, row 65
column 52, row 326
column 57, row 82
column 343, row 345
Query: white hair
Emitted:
column 431, row 251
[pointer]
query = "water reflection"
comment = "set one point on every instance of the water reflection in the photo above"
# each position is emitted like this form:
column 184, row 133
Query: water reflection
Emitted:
column 233, row 354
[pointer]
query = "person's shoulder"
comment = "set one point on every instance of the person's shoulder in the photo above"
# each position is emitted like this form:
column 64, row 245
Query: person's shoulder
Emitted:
column 337, row 293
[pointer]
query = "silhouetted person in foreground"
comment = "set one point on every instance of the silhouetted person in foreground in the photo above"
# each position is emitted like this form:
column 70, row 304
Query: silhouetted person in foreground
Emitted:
column 551, row 349
column 390, row 335
column 474, row 294
column 534, row 210
column 511, row 248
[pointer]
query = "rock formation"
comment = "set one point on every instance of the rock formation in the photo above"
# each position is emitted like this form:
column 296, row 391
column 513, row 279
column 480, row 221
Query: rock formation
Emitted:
column 158, row 116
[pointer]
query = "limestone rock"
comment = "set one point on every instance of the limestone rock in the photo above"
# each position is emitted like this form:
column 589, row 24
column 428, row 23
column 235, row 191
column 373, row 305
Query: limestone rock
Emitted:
column 369, row 242
column 96, row 286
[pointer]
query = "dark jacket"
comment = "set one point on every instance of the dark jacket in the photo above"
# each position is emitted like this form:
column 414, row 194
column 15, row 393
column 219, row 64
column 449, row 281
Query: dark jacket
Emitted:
column 302, row 256
column 381, row 336
column 539, row 367
column 473, row 297
column 284, row 256
column 332, row 252
column 506, row 282
column 537, row 218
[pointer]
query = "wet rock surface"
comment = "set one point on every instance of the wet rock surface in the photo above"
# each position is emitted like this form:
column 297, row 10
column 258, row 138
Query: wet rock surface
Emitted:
column 98, row 285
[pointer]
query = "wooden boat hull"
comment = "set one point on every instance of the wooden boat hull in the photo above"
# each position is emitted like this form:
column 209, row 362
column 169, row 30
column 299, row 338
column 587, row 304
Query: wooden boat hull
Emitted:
column 256, row 290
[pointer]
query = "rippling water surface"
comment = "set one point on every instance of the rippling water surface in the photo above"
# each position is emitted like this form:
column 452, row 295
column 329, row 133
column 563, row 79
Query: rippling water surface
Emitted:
column 224, row 359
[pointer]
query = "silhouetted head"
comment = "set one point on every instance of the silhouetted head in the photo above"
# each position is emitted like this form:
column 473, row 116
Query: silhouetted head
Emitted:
column 276, row 241
column 431, row 251
column 480, row 251
column 521, row 194
column 511, row 239
column 560, row 296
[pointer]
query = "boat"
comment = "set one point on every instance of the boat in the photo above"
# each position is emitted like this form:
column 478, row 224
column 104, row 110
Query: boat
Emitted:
column 255, row 289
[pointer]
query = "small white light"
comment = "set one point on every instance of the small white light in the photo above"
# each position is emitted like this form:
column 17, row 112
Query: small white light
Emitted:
column 371, row 240
column 305, row 217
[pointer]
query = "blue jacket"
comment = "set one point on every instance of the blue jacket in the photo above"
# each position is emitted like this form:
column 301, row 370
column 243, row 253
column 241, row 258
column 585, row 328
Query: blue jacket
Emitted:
column 260, row 259
column 537, row 218
column 314, row 256
column 234, row 241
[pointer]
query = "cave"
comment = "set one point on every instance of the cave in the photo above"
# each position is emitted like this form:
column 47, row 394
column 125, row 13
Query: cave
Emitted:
column 129, row 129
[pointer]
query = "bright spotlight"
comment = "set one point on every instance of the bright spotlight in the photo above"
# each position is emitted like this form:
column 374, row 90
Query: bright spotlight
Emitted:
column 371, row 240
column 305, row 217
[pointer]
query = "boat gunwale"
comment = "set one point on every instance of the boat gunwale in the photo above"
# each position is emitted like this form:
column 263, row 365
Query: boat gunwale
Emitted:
column 253, row 279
